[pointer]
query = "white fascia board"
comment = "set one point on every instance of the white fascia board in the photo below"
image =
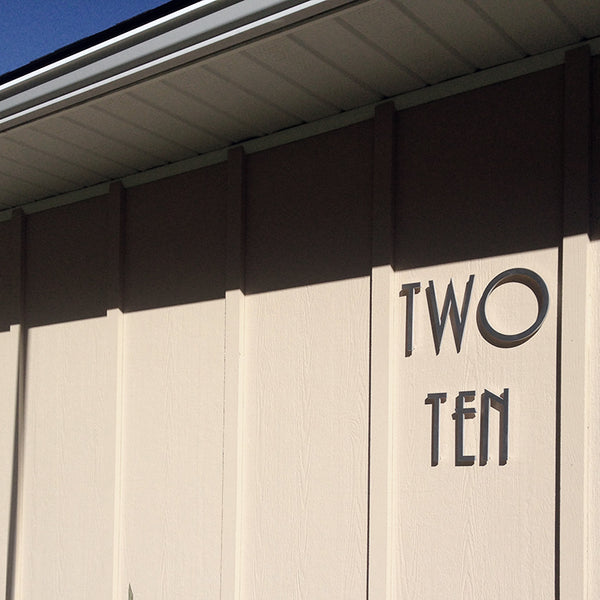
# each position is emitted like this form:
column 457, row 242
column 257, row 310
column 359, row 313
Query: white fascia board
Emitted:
column 209, row 26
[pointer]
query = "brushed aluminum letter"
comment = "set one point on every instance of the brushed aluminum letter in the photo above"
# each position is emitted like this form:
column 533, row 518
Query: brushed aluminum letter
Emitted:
column 461, row 413
column 434, row 400
column 500, row 403
column 409, row 290
column 536, row 284
column 438, row 322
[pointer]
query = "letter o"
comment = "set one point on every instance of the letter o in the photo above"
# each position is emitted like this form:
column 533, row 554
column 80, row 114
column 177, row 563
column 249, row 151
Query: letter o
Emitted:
column 536, row 284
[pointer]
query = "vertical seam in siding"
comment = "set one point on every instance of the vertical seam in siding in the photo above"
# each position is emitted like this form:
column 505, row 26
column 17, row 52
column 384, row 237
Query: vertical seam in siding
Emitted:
column 572, row 398
column 380, row 357
column 15, row 541
column 233, row 378
column 114, row 284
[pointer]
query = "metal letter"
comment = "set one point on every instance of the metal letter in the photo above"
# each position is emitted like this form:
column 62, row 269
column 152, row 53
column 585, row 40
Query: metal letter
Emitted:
column 500, row 403
column 434, row 400
column 459, row 417
column 409, row 290
column 536, row 284
column 438, row 322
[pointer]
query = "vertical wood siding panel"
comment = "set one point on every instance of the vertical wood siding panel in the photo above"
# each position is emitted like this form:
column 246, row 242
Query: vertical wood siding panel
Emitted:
column 115, row 233
column 12, row 341
column 477, row 532
column 69, row 461
column 574, row 393
column 234, row 378
column 307, row 343
column 69, row 408
column 592, row 531
column 173, row 433
column 383, row 357
column 9, row 350
column 173, row 386
column 593, row 357
column 479, row 191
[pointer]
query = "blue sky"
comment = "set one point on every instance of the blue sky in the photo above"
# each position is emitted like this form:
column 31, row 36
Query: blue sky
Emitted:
column 30, row 29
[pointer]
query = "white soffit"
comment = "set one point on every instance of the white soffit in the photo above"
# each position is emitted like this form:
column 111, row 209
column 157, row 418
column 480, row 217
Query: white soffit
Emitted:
column 219, row 73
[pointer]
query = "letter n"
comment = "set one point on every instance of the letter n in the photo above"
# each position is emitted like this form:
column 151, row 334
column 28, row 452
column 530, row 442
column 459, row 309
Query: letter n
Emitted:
column 500, row 403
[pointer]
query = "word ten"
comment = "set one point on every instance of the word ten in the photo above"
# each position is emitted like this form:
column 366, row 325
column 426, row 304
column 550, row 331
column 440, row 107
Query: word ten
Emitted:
column 462, row 412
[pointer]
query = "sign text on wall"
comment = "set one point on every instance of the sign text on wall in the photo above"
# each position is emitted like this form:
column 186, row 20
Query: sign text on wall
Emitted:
column 450, row 310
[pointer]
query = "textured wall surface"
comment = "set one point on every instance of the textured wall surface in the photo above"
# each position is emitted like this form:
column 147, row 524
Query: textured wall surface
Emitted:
column 206, row 387
column 461, row 529
column 479, row 192
column 304, row 530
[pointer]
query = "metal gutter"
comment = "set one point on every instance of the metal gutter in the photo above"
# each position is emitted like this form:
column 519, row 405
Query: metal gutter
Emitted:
column 163, row 12
column 184, row 36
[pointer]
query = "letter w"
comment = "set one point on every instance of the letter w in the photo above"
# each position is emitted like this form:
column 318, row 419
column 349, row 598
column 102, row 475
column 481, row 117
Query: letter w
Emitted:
column 438, row 322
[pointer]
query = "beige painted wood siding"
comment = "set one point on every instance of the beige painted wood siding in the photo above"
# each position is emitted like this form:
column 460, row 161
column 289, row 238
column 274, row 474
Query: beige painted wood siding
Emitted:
column 592, row 492
column 205, row 387
column 173, row 374
column 478, row 193
column 69, row 445
column 9, row 353
column 307, row 344
column 11, row 346
column 592, row 498
column 477, row 524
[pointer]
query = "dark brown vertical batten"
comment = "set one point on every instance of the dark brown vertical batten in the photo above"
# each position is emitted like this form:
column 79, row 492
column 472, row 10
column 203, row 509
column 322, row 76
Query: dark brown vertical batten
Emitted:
column 18, row 225
column 380, row 356
column 236, row 216
column 234, row 368
column 571, row 429
column 383, row 184
column 595, row 143
column 115, row 244
column 577, row 141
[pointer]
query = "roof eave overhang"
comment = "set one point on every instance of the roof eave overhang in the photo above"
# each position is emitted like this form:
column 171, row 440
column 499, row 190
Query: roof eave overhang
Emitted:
column 71, row 126
column 189, row 34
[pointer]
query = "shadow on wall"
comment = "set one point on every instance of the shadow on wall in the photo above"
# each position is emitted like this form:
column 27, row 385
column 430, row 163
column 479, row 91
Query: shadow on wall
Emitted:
column 479, row 174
